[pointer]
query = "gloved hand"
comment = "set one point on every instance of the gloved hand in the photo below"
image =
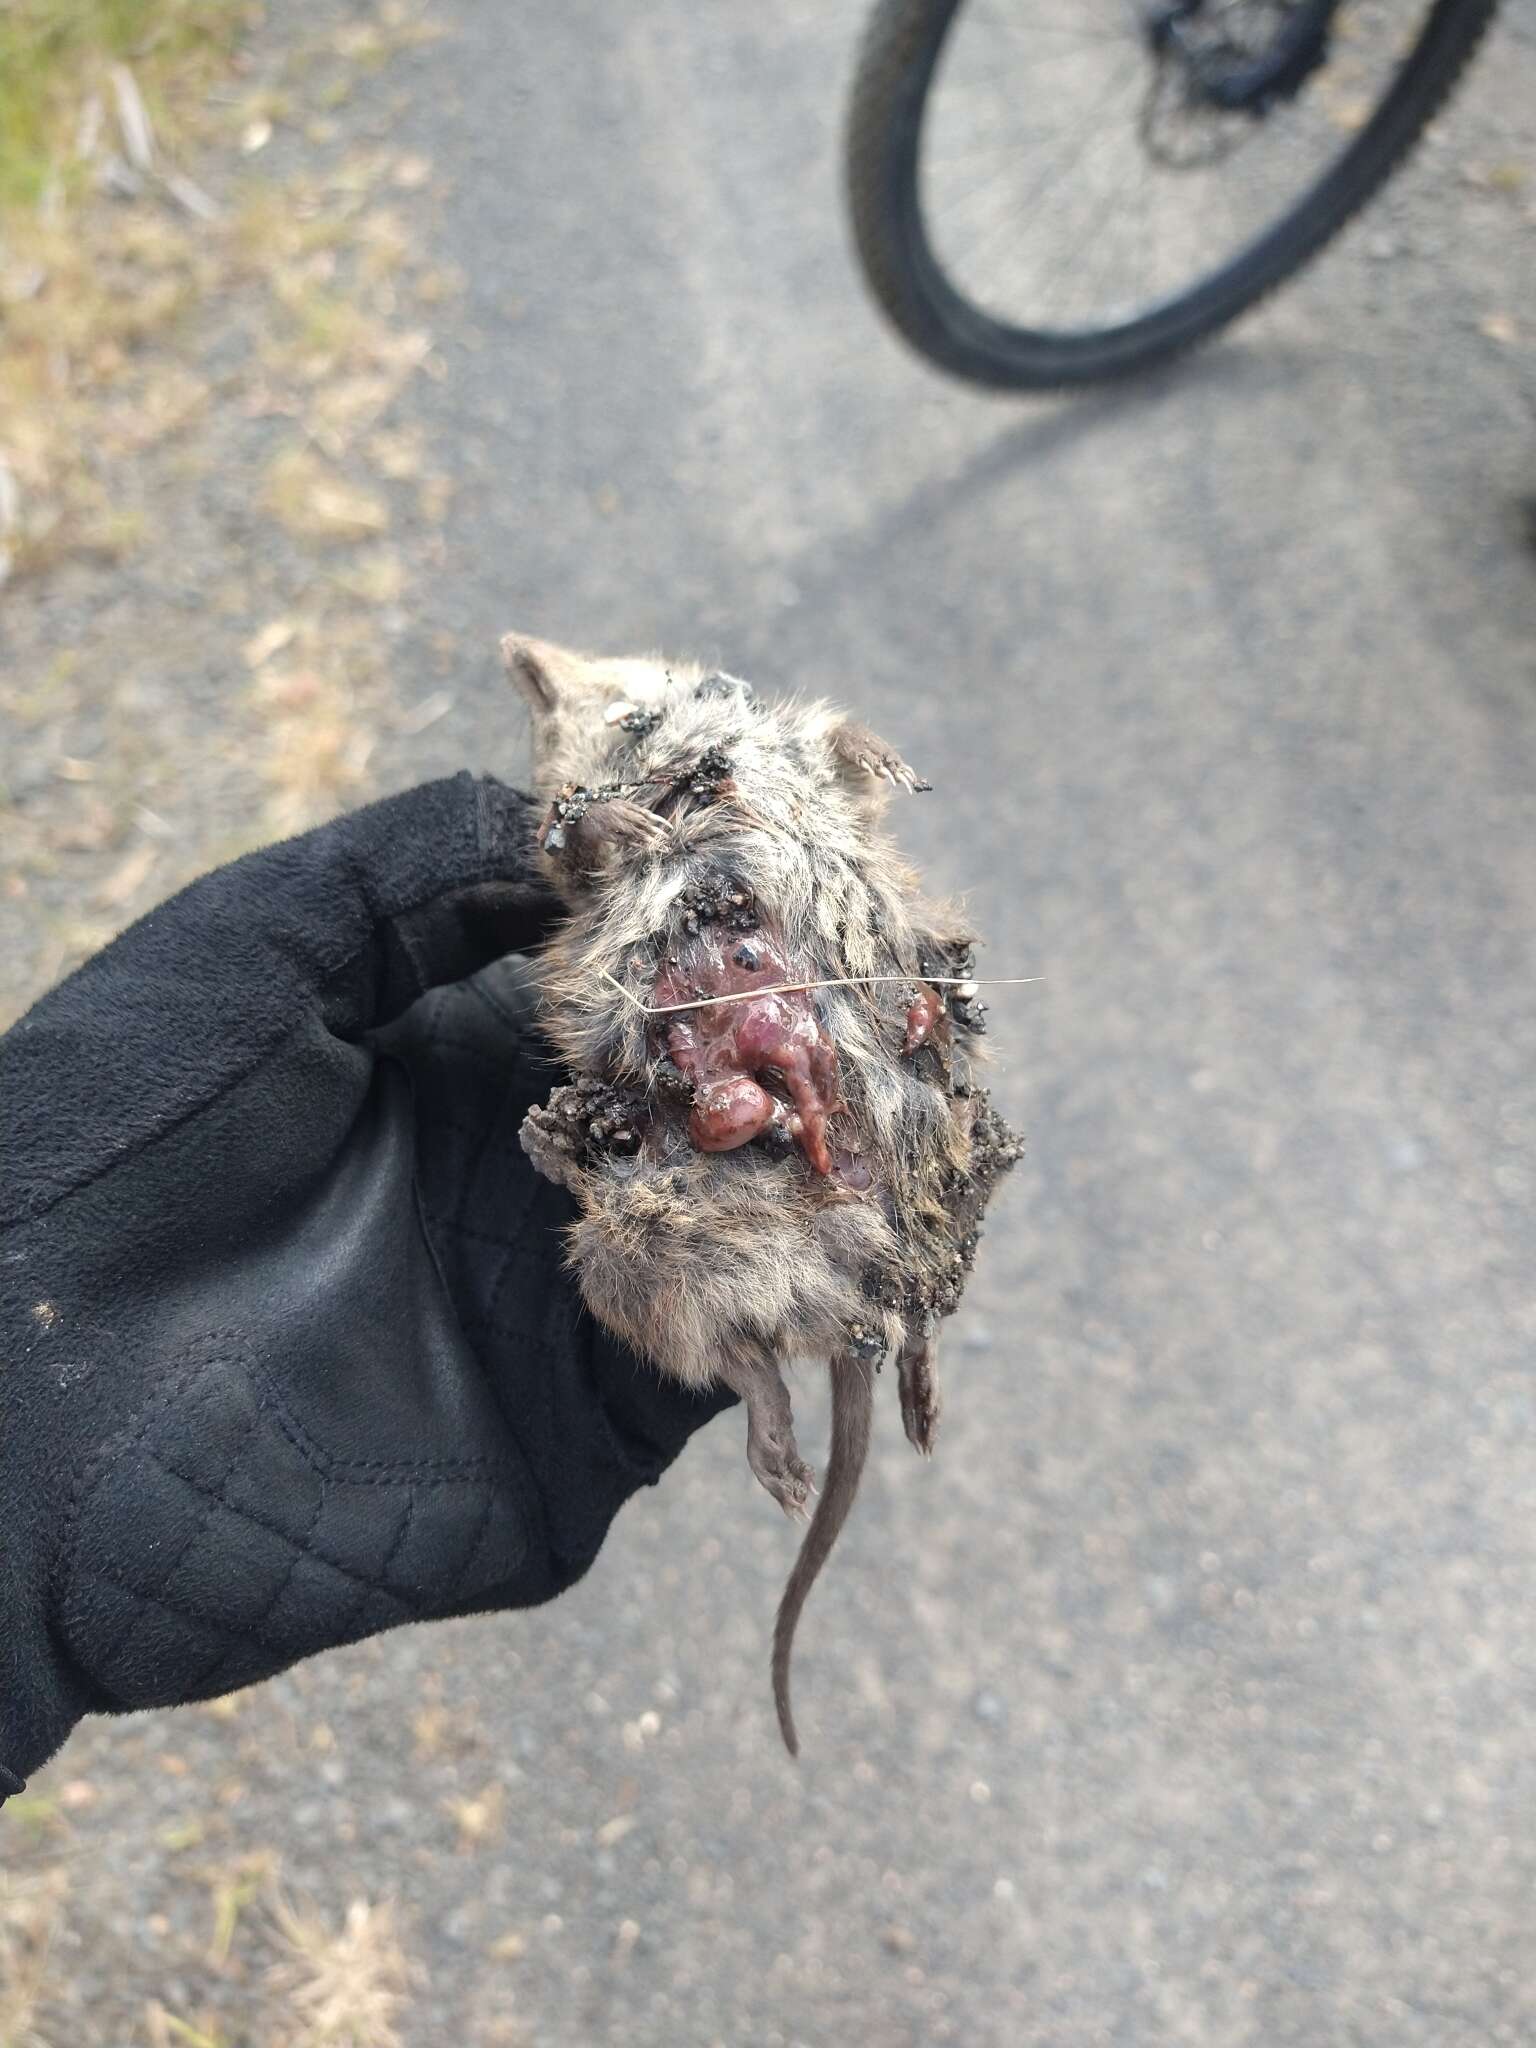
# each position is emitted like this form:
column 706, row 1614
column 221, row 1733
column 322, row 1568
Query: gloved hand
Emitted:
column 287, row 1352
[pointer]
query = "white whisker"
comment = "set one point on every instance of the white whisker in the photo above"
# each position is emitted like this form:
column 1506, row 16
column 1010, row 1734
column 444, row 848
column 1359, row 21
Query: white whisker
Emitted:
column 787, row 988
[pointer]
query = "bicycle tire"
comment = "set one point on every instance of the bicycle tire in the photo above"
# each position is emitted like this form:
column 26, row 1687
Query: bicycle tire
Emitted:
column 893, row 77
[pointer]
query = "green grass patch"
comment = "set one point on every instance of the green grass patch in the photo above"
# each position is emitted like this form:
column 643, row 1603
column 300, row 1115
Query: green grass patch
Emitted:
column 54, row 53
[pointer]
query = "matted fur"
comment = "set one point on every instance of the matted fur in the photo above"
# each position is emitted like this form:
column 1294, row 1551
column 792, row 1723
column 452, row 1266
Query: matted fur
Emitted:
column 726, row 1265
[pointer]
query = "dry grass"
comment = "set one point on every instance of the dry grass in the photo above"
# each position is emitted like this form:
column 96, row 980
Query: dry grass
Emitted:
column 294, row 1976
column 339, row 1987
column 317, row 747
column 108, row 253
column 78, row 399
column 167, row 2029
column 233, row 1888
column 30, row 1910
column 478, row 1819
column 314, row 502
column 148, row 351
column 90, row 93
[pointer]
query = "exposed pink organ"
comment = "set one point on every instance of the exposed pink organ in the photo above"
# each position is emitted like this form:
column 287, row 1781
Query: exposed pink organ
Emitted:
column 740, row 1056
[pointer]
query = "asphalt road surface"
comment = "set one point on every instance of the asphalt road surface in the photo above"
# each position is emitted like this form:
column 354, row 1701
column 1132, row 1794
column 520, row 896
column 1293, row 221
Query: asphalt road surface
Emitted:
column 1189, row 1695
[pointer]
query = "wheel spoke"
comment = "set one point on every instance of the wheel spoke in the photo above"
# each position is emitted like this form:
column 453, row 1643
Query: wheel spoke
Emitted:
column 1077, row 31
column 1087, row 239
column 1090, row 134
column 1073, row 180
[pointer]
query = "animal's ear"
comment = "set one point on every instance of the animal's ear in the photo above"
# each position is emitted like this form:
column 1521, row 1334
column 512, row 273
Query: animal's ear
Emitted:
column 862, row 758
column 547, row 675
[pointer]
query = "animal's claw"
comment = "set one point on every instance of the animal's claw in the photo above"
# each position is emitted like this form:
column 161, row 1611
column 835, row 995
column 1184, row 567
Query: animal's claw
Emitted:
column 892, row 769
column 646, row 822
column 783, row 1474
column 919, row 1388
column 798, row 1494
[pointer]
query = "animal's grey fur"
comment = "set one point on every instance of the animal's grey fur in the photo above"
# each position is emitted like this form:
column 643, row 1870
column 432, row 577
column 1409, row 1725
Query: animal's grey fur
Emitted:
column 727, row 1266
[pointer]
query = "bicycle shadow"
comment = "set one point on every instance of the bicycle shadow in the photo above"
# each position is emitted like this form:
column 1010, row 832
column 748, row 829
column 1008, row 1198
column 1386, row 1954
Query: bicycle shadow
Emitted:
column 823, row 574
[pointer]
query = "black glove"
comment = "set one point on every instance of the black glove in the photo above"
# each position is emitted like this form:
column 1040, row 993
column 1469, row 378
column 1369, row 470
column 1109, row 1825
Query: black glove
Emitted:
column 287, row 1352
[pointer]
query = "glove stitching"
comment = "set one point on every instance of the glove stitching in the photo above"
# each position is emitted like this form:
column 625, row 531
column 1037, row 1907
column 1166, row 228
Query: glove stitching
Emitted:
column 303, row 1550
column 396, row 1543
column 346, row 1571
column 477, row 1542
column 105, row 1660
column 184, row 1610
column 36, row 1208
column 429, row 1471
column 235, row 1637
column 90, row 1469
column 534, row 1504
column 344, row 1627
column 465, row 1192
column 381, row 1472
column 447, row 1470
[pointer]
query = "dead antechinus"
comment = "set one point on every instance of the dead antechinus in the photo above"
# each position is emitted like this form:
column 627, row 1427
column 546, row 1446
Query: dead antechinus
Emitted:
column 793, row 1171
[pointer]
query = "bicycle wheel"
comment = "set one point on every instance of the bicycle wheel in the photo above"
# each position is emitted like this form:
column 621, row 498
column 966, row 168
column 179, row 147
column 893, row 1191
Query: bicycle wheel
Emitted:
column 1048, row 193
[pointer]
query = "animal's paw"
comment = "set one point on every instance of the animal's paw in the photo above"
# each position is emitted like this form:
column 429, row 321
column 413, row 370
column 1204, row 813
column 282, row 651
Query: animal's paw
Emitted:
column 918, row 1382
column 861, row 749
column 551, row 1142
column 894, row 770
column 782, row 1471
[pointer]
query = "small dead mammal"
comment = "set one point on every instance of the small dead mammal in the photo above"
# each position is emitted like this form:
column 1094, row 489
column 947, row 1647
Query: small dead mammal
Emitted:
column 793, row 1171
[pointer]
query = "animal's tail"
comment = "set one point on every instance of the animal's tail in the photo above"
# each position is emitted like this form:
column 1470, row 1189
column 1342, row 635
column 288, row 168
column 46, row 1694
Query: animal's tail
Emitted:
column 853, row 1405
